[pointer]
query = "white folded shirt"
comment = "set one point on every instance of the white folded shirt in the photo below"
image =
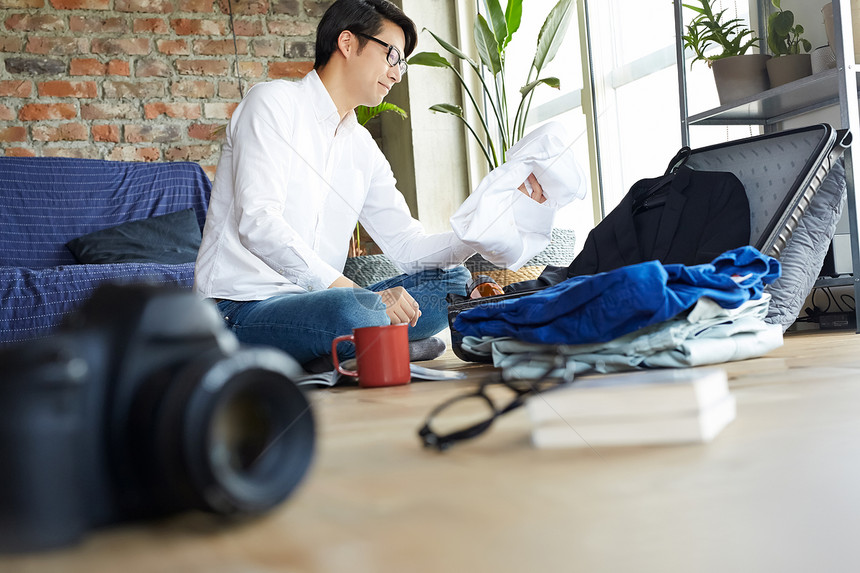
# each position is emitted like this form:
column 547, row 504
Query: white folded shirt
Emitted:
column 499, row 221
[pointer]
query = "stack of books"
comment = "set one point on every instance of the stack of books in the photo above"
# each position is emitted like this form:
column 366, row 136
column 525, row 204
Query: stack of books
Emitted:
column 667, row 406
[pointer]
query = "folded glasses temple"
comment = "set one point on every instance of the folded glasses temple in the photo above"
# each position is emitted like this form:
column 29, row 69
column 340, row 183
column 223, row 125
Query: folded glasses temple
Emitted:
column 442, row 442
column 431, row 439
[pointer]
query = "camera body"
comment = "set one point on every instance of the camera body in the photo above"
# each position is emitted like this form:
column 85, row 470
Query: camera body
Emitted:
column 142, row 405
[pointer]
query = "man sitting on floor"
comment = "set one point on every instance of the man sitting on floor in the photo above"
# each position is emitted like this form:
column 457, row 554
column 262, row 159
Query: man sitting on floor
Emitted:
column 296, row 173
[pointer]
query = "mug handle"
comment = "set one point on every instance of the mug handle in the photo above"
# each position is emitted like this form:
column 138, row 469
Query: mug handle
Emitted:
column 334, row 359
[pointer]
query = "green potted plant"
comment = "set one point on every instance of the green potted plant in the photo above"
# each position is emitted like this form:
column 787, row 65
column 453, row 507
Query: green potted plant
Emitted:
column 503, row 120
column 723, row 44
column 785, row 41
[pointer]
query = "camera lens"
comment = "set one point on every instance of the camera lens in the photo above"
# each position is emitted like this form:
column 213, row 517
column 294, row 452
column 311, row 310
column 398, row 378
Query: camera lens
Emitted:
column 242, row 431
column 258, row 443
column 229, row 434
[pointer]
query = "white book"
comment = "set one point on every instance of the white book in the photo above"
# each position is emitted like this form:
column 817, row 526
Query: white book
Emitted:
column 690, row 427
column 644, row 392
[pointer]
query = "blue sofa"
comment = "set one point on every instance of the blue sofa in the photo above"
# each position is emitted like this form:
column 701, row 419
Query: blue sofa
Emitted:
column 45, row 202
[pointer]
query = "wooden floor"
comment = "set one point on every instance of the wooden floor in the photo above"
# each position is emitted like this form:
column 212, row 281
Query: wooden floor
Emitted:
column 778, row 490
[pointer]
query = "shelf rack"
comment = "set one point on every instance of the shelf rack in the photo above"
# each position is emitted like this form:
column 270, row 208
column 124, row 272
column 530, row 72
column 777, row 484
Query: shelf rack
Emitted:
column 835, row 87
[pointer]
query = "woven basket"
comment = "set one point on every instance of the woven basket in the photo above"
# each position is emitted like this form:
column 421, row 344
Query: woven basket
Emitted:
column 506, row 276
column 367, row 270
column 558, row 253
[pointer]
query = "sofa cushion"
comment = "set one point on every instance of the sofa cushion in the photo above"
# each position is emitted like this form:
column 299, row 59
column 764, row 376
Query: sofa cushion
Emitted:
column 170, row 239
column 35, row 301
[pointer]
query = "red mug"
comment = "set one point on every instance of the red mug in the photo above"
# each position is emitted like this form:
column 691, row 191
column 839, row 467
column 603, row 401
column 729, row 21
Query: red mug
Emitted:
column 382, row 355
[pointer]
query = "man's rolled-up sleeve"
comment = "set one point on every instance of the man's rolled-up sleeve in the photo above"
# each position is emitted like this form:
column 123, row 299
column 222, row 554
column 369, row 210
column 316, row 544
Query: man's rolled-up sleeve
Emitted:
column 401, row 237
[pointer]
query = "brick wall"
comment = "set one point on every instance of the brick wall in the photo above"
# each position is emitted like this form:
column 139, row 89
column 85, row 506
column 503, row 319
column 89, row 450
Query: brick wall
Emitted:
column 140, row 80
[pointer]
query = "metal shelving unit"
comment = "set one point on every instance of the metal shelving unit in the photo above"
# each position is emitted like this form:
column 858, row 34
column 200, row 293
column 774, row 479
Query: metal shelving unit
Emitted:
column 774, row 106
column 778, row 104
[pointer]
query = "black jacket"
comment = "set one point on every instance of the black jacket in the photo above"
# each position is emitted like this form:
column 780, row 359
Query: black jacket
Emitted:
column 687, row 217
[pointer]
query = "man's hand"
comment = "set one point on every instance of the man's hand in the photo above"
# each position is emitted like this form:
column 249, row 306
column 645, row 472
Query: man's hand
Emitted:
column 400, row 306
column 537, row 190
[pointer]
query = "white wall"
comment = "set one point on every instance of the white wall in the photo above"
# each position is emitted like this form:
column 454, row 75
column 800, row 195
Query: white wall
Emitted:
column 427, row 151
column 808, row 14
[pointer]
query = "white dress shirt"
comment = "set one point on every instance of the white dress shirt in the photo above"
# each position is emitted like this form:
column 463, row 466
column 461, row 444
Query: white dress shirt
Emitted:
column 291, row 183
column 507, row 227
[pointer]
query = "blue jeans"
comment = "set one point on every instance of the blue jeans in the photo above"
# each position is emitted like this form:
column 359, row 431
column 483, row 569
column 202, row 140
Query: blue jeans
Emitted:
column 304, row 324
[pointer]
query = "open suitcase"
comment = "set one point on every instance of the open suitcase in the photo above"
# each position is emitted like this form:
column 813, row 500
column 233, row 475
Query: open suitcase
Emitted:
column 782, row 174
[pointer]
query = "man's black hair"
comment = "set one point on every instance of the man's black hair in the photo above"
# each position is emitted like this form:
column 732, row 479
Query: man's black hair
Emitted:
column 359, row 17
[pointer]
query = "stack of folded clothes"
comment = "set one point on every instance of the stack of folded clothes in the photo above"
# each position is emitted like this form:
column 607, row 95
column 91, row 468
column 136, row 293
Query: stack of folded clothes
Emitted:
column 640, row 316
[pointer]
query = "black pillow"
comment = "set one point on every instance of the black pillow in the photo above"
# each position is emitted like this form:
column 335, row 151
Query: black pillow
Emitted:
column 167, row 239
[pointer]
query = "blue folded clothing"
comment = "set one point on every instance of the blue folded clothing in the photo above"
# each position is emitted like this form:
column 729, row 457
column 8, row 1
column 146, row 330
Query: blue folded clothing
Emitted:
column 602, row 307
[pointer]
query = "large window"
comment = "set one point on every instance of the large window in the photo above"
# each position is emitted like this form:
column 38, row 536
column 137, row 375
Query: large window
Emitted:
column 563, row 105
column 633, row 97
column 635, row 79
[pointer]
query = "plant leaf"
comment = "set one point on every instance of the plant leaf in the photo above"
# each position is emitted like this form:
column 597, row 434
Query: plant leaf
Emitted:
column 363, row 114
column 487, row 46
column 448, row 108
column 552, row 33
column 453, row 50
column 551, row 82
column 709, row 30
column 693, row 8
column 387, row 106
column 513, row 17
column 431, row 59
column 497, row 19
column 782, row 22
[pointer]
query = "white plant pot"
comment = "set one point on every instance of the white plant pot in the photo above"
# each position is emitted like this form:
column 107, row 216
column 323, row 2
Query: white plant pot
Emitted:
column 823, row 59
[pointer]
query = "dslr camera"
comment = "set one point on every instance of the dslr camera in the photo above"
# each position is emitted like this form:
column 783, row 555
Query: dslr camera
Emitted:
column 142, row 405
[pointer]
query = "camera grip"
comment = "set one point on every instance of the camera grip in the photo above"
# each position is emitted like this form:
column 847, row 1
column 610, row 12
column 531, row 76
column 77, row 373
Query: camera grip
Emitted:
column 334, row 359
